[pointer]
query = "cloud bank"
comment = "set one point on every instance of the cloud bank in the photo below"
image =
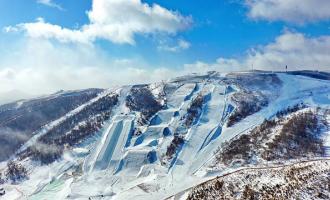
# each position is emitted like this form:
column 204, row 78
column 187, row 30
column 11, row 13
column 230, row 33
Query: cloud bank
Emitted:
column 293, row 11
column 42, row 67
column 50, row 3
column 293, row 49
column 117, row 21
column 179, row 46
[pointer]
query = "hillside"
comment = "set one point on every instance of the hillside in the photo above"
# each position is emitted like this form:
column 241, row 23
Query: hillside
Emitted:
column 301, row 180
column 200, row 136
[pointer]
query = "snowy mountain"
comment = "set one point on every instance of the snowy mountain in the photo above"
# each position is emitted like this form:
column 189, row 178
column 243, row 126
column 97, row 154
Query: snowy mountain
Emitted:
column 248, row 135
column 13, row 95
column 20, row 120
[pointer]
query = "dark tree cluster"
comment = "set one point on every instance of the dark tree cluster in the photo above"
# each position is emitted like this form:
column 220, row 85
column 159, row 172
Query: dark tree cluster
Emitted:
column 73, row 130
column 298, row 138
column 244, row 147
column 2, row 181
column 141, row 99
column 97, row 112
column 194, row 111
column 16, row 172
column 299, row 182
column 266, row 83
column 78, row 134
column 23, row 120
column 313, row 74
column 239, row 149
column 248, row 193
column 203, row 190
column 247, row 104
column 31, row 115
column 46, row 154
column 261, row 133
column 290, row 110
column 256, row 90
column 174, row 146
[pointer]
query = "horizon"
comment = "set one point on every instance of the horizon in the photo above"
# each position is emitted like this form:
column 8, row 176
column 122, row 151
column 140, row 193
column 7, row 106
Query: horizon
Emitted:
column 27, row 97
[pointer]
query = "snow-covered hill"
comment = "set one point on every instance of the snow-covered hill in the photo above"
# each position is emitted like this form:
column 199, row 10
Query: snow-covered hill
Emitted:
column 159, row 140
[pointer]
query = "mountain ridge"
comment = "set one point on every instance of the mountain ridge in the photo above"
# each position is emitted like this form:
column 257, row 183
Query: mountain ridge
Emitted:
column 153, row 140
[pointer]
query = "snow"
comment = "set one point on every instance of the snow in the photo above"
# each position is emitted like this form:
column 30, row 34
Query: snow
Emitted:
column 268, row 176
column 327, row 138
column 41, row 179
column 80, row 152
column 115, row 141
column 12, row 193
column 49, row 126
column 180, row 95
column 209, row 120
column 151, row 135
column 122, row 166
column 58, row 189
column 163, row 117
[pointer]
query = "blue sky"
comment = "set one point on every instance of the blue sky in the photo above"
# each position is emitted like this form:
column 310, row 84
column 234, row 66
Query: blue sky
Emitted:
column 220, row 28
column 166, row 37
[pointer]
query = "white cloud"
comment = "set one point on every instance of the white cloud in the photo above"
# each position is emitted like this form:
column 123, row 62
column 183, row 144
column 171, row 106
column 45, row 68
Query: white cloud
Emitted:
column 296, row 50
column 115, row 20
column 50, row 3
column 42, row 67
column 221, row 65
column 179, row 46
column 294, row 11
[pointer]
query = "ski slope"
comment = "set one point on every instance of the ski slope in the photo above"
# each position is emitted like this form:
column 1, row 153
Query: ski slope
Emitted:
column 116, row 138
column 49, row 126
column 121, row 165
column 200, row 135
